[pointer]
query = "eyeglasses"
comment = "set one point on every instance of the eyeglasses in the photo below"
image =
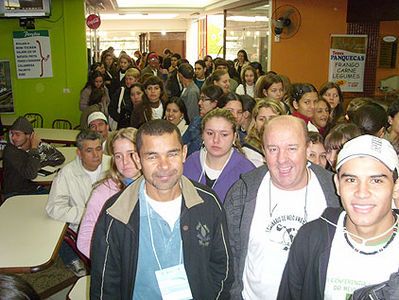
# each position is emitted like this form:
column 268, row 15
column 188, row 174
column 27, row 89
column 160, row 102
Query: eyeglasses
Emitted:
column 205, row 99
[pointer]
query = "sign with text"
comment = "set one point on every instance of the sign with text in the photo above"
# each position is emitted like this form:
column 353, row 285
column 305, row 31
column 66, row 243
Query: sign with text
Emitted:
column 347, row 60
column 32, row 54
column 6, row 95
column 93, row 21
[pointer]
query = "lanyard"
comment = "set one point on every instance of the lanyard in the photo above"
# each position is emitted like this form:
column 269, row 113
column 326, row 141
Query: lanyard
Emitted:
column 152, row 239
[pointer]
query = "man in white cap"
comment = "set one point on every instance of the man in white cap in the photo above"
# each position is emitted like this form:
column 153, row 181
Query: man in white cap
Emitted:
column 348, row 248
column 97, row 121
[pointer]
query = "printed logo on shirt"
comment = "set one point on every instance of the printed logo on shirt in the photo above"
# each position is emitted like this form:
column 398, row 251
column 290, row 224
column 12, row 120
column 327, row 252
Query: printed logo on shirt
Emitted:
column 203, row 234
column 283, row 229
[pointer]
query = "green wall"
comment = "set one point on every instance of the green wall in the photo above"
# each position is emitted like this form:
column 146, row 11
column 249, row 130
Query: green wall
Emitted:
column 66, row 28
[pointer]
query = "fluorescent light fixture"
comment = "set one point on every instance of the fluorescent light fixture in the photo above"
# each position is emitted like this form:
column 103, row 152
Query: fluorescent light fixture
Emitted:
column 137, row 16
column 166, row 3
column 248, row 19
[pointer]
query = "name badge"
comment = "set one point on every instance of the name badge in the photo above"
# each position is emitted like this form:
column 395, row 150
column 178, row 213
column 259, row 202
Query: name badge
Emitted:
column 173, row 283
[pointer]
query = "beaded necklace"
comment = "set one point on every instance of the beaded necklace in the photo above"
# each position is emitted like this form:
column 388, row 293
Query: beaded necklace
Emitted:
column 395, row 229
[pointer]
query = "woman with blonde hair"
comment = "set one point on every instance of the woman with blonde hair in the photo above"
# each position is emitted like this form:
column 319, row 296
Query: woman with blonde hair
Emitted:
column 264, row 110
column 123, row 171
column 220, row 163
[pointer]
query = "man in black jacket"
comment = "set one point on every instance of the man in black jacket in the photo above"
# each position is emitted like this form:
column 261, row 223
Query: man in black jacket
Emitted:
column 347, row 249
column 23, row 158
column 163, row 236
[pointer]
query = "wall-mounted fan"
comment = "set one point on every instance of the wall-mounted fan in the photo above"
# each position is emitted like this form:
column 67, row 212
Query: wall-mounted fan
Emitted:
column 286, row 21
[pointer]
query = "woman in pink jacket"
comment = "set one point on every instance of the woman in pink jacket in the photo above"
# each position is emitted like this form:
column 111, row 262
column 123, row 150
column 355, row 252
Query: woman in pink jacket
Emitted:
column 122, row 172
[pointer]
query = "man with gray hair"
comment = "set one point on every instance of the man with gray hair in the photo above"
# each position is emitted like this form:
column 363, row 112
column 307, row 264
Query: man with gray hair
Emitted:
column 266, row 207
column 72, row 186
column 190, row 94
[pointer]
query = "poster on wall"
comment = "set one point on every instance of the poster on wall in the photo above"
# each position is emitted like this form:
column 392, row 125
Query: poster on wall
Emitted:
column 347, row 60
column 32, row 54
column 6, row 96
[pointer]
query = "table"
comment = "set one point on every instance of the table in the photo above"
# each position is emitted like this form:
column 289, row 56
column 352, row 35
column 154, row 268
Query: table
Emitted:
column 54, row 135
column 81, row 289
column 7, row 121
column 30, row 239
column 70, row 155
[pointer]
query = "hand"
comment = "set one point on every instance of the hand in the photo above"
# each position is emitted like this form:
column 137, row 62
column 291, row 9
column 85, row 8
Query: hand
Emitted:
column 34, row 140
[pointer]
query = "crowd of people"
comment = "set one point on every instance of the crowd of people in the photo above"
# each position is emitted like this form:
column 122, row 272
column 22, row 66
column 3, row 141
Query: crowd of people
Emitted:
column 218, row 181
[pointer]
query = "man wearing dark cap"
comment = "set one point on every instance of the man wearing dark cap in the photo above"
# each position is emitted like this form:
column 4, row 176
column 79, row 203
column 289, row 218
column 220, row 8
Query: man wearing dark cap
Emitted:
column 153, row 66
column 191, row 92
column 23, row 156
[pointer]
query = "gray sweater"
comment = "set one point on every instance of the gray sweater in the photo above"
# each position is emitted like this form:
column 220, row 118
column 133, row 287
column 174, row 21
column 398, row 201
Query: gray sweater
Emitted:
column 240, row 207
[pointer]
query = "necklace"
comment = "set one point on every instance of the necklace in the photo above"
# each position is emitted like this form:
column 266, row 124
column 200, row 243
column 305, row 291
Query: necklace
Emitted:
column 395, row 229
column 305, row 213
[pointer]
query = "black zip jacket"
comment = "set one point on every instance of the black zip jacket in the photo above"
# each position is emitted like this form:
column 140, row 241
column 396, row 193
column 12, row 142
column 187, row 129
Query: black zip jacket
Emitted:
column 305, row 272
column 207, row 257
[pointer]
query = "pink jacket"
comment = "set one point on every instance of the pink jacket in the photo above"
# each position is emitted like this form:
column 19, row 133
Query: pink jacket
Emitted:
column 98, row 197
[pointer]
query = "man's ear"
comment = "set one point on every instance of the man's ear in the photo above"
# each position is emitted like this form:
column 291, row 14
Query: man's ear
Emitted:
column 295, row 104
column 246, row 114
column 78, row 153
column 184, row 153
column 136, row 159
column 336, row 181
column 395, row 194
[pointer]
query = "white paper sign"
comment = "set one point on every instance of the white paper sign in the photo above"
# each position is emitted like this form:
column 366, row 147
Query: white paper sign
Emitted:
column 32, row 54
column 347, row 61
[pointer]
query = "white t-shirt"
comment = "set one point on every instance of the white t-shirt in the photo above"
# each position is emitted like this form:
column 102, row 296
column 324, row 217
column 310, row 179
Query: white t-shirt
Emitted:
column 349, row 270
column 211, row 173
column 94, row 175
column 312, row 128
column 169, row 210
column 250, row 90
column 274, row 226
column 157, row 112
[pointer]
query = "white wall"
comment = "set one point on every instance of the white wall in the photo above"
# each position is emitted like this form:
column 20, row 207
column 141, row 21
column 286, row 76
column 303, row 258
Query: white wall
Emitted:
column 192, row 41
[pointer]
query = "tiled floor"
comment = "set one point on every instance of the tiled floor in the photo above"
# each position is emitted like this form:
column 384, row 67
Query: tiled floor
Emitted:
column 61, row 295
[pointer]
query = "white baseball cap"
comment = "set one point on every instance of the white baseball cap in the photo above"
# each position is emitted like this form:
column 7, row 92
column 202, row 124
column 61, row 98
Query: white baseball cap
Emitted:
column 97, row 115
column 371, row 146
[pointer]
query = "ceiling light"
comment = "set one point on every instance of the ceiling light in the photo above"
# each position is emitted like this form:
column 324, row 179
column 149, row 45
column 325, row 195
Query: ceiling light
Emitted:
column 248, row 19
column 165, row 3
column 137, row 16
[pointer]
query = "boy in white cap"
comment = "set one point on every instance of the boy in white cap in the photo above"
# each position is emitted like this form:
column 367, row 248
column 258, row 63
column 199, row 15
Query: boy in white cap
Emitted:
column 347, row 249
column 97, row 121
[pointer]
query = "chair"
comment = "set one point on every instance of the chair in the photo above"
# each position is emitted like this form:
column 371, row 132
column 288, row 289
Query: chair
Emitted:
column 37, row 119
column 70, row 238
column 77, row 127
column 61, row 124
